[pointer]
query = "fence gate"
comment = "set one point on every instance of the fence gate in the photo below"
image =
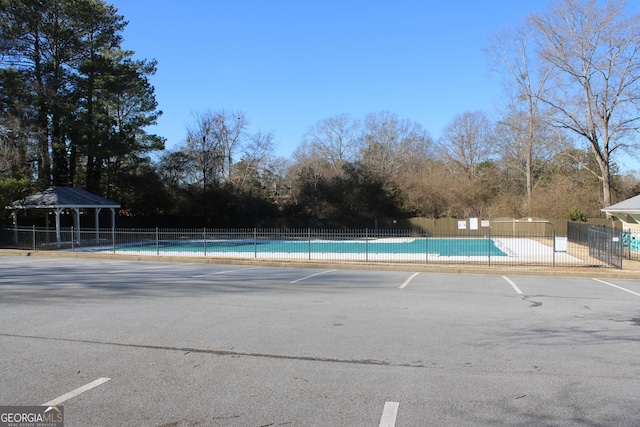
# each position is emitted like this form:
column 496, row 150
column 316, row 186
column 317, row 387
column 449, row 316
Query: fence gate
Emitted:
column 605, row 244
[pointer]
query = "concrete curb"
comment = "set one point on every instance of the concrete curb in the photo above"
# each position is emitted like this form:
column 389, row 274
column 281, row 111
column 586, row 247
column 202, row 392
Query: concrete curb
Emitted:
column 374, row 266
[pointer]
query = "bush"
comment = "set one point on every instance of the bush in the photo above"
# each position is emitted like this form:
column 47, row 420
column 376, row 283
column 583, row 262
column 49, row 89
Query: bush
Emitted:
column 576, row 214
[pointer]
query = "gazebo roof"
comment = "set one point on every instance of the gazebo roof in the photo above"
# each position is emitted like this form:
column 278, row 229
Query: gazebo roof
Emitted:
column 63, row 198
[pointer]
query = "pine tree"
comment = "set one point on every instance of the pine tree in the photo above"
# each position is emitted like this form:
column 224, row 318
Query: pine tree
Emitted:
column 92, row 100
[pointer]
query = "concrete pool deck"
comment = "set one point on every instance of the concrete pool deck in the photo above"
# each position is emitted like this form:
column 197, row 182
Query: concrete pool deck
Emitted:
column 508, row 251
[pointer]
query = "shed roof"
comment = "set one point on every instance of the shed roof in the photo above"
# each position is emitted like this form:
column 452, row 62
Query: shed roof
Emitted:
column 629, row 205
column 63, row 198
column 626, row 211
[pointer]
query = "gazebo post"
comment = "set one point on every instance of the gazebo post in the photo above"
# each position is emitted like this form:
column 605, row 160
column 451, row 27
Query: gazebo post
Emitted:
column 46, row 226
column 113, row 227
column 58, row 210
column 14, row 215
column 98, row 225
column 77, row 222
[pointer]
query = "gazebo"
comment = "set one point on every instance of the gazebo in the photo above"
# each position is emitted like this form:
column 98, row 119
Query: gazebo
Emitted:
column 57, row 199
column 628, row 212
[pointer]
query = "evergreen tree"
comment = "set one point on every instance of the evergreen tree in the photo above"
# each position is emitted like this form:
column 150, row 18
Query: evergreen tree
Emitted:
column 92, row 100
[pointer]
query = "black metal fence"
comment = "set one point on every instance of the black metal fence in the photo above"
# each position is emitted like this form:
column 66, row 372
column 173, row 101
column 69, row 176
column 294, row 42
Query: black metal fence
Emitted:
column 605, row 244
column 631, row 245
column 597, row 247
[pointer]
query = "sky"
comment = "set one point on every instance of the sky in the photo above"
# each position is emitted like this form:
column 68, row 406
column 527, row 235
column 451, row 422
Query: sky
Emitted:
column 288, row 64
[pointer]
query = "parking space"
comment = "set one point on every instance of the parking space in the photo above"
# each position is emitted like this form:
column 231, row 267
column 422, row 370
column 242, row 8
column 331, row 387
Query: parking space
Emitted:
column 176, row 344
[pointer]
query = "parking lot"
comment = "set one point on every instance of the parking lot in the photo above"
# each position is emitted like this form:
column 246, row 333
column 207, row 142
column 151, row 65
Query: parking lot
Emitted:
column 178, row 344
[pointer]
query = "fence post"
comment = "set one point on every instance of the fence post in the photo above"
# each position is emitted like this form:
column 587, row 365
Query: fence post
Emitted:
column 255, row 242
column 426, row 244
column 113, row 239
column 157, row 242
column 33, row 238
column 489, row 246
column 620, row 249
column 309, row 241
column 204, row 239
column 366, row 244
column 554, row 248
column 72, row 245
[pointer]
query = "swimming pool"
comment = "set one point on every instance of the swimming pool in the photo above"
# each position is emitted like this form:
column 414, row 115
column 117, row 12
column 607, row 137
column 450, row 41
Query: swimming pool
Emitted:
column 356, row 247
column 441, row 247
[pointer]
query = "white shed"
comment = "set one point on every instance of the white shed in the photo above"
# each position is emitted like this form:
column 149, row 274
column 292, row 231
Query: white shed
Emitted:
column 628, row 212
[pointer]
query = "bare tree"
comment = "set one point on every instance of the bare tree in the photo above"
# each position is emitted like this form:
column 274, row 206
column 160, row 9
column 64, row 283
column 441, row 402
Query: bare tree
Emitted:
column 214, row 140
column 276, row 180
column 255, row 159
column 524, row 135
column 594, row 52
column 387, row 142
column 526, row 146
column 335, row 140
column 203, row 148
column 230, row 129
column 307, row 171
column 467, row 141
column 326, row 148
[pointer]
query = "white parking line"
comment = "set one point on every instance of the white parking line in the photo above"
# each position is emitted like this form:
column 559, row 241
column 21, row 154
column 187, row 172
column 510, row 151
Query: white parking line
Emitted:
column 313, row 275
column 389, row 414
column 76, row 392
column 513, row 285
column 618, row 287
column 138, row 269
column 406, row 282
column 224, row 272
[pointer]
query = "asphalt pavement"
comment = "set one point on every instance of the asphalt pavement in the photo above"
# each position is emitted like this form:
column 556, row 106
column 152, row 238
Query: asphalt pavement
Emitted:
column 176, row 344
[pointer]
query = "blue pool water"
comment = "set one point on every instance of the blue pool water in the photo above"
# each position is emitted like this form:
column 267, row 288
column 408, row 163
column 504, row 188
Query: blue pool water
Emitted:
column 440, row 246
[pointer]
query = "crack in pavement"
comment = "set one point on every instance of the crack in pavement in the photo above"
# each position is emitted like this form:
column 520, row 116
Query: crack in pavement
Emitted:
column 224, row 352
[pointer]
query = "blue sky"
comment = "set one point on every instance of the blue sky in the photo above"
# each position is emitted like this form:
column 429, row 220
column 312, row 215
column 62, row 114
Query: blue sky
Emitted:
column 289, row 64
